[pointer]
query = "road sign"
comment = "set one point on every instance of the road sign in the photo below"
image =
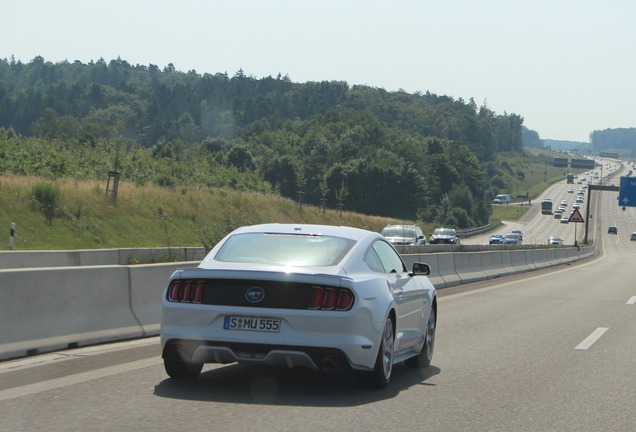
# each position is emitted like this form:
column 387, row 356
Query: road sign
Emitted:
column 627, row 192
column 576, row 217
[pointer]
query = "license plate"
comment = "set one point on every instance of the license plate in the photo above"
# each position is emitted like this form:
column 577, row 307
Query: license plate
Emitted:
column 251, row 323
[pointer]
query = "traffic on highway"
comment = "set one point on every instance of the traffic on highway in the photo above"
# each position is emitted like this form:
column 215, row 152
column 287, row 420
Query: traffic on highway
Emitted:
column 550, row 350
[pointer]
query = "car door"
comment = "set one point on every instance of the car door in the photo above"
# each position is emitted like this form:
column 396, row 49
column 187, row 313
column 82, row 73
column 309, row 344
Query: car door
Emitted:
column 410, row 295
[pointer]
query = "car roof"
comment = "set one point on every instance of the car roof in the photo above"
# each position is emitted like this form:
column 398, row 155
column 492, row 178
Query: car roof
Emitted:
column 356, row 234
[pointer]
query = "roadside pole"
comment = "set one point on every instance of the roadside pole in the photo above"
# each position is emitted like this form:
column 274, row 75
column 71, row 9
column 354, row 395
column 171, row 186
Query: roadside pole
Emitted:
column 11, row 236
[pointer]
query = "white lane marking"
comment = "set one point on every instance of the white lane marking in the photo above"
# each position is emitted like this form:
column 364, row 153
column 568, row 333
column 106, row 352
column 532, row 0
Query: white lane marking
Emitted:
column 589, row 341
column 58, row 356
column 631, row 301
column 79, row 378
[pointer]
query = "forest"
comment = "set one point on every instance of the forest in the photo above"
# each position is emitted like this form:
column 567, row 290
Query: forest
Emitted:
column 417, row 156
column 620, row 140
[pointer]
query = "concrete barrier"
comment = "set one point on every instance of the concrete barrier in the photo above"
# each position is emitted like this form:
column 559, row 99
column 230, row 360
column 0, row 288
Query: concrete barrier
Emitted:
column 506, row 261
column 55, row 258
column 492, row 264
column 518, row 261
column 543, row 258
column 98, row 257
column 529, row 261
column 468, row 266
column 147, row 283
column 446, row 263
column 56, row 308
column 431, row 259
column 53, row 308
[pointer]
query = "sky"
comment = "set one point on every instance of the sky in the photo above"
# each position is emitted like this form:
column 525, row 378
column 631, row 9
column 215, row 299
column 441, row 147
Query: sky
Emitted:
column 568, row 67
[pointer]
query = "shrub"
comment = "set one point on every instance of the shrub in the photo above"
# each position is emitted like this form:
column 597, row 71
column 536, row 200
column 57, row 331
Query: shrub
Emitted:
column 47, row 196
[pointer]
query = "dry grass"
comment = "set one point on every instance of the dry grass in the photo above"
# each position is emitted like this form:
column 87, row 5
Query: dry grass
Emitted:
column 148, row 216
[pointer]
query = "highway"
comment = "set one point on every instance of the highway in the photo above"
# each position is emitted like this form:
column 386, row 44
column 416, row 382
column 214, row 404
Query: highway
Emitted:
column 537, row 228
column 544, row 351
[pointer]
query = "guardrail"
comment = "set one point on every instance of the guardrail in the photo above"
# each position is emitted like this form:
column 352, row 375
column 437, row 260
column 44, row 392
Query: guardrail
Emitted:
column 475, row 231
column 53, row 308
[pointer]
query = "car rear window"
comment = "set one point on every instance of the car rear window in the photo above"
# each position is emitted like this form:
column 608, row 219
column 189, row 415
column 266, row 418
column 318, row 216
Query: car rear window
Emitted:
column 284, row 249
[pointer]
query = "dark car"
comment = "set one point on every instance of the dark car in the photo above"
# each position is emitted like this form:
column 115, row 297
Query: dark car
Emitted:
column 444, row 236
column 612, row 230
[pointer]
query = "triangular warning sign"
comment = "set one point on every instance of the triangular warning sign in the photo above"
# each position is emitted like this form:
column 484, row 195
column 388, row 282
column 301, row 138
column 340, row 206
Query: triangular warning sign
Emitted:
column 576, row 216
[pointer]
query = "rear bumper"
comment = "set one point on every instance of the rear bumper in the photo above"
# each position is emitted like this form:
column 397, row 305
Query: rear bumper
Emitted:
column 315, row 358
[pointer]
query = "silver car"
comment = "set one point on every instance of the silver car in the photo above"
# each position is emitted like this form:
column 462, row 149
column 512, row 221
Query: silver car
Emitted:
column 300, row 296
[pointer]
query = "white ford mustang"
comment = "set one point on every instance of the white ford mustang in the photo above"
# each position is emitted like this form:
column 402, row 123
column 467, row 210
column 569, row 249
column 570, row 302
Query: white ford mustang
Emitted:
column 321, row 297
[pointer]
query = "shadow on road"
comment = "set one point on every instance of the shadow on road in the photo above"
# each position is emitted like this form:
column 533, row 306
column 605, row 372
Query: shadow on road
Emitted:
column 288, row 387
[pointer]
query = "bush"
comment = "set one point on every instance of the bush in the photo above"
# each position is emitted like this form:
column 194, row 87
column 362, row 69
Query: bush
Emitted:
column 47, row 196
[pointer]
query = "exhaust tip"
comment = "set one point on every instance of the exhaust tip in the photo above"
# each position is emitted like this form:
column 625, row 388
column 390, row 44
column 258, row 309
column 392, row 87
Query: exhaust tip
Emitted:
column 329, row 364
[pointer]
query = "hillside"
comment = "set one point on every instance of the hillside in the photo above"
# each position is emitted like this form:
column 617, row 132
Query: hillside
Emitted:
column 325, row 140
column 146, row 216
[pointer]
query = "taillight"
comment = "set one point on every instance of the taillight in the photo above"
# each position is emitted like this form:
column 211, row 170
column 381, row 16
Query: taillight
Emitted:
column 186, row 291
column 345, row 301
column 330, row 298
column 198, row 291
column 317, row 297
column 175, row 288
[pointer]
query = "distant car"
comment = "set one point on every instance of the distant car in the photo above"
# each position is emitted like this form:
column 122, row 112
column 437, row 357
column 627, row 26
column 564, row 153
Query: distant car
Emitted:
column 579, row 200
column 516, row 231
column 444, row 236
column 633, row 236
column 320, row 297
column 612, row 230
column 558, row 215
column 570, row 190
column 564, row 203
column 555, row 241
column 496, row 239
column 561, row 210
column 502, row 199
column 576, row 206
column 404, row 235
column 512, row 238
column 565, row 219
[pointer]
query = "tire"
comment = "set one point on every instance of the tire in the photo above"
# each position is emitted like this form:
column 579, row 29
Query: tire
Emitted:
column 381, row 375
column 424, row 358
column 179, row 369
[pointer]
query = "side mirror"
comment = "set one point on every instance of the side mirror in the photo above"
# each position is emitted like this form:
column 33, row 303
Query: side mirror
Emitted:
column 421, row 269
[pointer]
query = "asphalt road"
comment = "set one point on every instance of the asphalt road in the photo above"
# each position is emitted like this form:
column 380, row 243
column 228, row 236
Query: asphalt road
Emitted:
column 544, row 351
column 537, row 228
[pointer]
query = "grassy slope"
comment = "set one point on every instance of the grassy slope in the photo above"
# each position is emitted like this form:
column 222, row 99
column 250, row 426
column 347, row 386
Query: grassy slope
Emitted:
column 148, row 216
column 152, row 216
column 536, row 176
